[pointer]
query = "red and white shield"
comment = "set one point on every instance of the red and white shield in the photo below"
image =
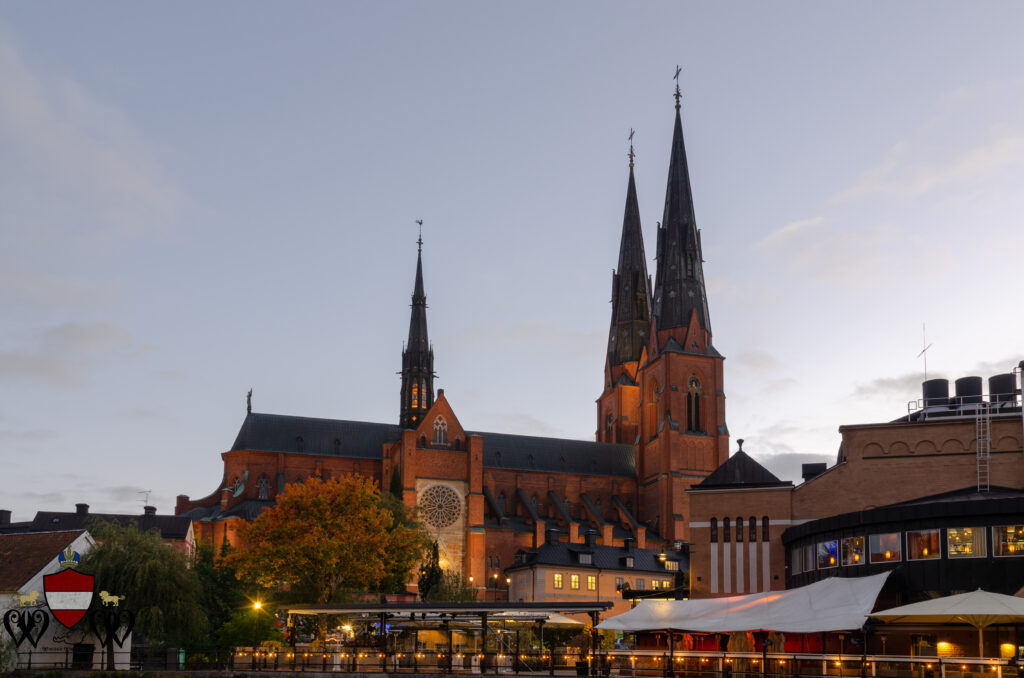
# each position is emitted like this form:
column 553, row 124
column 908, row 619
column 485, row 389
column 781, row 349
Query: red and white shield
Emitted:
column 68, row 593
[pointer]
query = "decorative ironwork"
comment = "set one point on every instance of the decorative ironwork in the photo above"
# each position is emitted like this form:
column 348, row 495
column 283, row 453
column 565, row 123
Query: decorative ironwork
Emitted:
column 440, row 506
column 26, row 621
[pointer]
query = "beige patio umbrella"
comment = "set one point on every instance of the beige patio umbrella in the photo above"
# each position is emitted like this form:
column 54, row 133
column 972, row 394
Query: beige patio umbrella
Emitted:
column 978, row 608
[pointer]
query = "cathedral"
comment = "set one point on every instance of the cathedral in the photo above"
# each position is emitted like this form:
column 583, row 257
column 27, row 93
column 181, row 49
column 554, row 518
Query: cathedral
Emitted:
column 498, row 501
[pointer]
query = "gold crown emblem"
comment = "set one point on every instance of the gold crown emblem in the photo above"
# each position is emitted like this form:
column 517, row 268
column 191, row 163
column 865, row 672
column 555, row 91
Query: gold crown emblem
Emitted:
column 68, row 558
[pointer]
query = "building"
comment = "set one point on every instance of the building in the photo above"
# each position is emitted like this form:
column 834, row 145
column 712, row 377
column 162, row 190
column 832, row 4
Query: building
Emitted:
column 936, row 495
column 490, row 498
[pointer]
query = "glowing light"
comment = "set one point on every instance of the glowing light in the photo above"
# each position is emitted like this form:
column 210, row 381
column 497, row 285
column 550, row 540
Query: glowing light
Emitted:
column 257, row 605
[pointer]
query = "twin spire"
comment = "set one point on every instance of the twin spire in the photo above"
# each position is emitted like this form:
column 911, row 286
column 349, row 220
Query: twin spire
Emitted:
column 417, row 395
column 638, row 316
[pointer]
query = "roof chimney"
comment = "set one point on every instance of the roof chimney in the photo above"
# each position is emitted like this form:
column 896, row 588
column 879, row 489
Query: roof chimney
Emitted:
column 627, row 543
column 590, row 537
column 551, row 536
column 82, row 509
column 5, row 517
column 149, row 510
column 809, row 471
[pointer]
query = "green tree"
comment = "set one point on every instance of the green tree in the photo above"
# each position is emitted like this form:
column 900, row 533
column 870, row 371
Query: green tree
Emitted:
column 430, row 573
column 451, row 587
column 326, row 538
column 156, row 581
column 249, row 627
column 222, row 593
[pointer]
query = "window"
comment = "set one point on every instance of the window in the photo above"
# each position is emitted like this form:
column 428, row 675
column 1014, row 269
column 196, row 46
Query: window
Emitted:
column 497, row 561
column 764, row 529
column 725, row 530
column 557, row 580
column 591, row 582
column 966, row 542
column 415, row 395
column 629, row 561
column 693, row 396
column 923, row 545
column 853, row 551
column 263, row 488
column 574, row 582
column 828, row 555
column 795, row 561
column 714, row 530
column 619, row 581
column 235, row 483
column 752, row 531
column 885, row 548
column 1008, row 540
column 440, row 431
column 586, row 559
column 739, row 530
column 655, row 584
column 672, row 565
column 666, row 584
column 640, row 583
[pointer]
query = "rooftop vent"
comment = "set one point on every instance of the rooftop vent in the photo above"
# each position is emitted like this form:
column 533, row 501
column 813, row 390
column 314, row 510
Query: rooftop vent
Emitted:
column 935, row 392
column 82, row 509
column 1002, row 388
column 968, row 390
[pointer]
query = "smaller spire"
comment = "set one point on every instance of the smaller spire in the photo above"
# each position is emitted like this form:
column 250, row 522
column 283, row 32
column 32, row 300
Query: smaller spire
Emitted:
column 631, row 154
column 419, row 241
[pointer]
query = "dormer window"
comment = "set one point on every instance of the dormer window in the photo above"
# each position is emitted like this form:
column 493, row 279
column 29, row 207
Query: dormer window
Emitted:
column 672, row 565
column 586, row 559
column 440, row 431
column 629, row 561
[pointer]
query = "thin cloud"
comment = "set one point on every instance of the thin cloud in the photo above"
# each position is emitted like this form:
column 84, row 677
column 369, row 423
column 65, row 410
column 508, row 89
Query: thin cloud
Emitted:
column 41, row 289
column 758, row 360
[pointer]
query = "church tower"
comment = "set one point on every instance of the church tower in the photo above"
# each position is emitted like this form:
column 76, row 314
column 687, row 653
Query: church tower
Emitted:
column 417, row 356
column 683, row 435
column 618, row 408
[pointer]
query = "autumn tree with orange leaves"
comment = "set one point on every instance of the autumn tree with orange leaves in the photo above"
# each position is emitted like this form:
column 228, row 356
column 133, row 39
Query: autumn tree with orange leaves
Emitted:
column 328, row 537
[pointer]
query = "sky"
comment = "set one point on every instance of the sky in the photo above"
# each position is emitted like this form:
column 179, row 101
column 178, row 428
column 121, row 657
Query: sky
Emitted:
column 199, row 199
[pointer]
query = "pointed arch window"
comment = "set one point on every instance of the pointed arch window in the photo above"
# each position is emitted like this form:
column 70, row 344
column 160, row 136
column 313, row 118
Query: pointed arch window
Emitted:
column 752, row 536
column 235, row 482
column 415, row 395
column 764, row 529
column 714, row 530
column 263, row 488
column 739, row 530
column 725, row 530
column 694, row 395
column 440, row 431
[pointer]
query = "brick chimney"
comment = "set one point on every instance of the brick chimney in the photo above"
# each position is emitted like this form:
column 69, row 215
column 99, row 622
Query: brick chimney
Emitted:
column 82, row 509
column 5, row 517
column 149, row 510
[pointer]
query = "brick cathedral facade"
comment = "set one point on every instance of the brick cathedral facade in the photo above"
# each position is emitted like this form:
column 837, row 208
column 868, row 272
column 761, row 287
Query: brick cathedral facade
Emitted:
column 489, row 498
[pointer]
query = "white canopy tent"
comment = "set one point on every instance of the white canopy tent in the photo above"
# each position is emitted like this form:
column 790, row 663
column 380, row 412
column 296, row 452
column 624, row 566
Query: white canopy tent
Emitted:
column 834, row 604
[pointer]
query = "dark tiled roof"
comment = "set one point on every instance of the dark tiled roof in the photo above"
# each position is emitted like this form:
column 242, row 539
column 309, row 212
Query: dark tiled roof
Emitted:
column 556, row 455
column 170, row 527
column 23, row 555
column 605, row 557
column 282, row 433
column 741, row 470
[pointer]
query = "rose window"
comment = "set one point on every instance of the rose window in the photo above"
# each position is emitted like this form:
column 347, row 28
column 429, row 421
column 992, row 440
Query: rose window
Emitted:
column 440, row 506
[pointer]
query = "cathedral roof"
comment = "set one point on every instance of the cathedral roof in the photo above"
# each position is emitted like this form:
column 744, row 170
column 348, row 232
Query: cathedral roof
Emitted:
column 556, row 455
column 740, row 470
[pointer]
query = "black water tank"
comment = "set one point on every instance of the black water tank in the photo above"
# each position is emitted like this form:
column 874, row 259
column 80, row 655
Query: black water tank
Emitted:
column 1001, row 388
column 935, row 392
column 968, row 390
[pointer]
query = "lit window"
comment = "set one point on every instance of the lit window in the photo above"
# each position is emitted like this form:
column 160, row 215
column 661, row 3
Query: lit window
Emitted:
column 415, row 395
column 655, row 584
column 586, row 559
column 923, row 545
column 885, row 548
column 574, row 582
column 1008, row 540
column 966, row 542
column 853, row 550
column 828, row 554
column 672, row 565
column 440, row 431
column 666, row 584
column 557, row 583
column 591, row 582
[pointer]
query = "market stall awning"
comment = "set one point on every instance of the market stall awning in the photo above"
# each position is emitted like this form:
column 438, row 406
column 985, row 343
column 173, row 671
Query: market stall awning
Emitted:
column 834, row 604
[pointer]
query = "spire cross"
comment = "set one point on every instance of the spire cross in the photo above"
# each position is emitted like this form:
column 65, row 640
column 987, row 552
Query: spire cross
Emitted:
column 631, row 153
column 419, row 241
column 678, row 95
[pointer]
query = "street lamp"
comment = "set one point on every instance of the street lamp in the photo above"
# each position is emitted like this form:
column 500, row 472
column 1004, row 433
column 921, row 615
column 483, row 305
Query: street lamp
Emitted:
column 256, row 606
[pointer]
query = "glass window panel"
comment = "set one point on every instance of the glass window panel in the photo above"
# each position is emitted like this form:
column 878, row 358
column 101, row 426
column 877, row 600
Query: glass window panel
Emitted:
column 1008, row 540
column 574, row 582
column 853, row 550
column 640, row 583
column 558, row 580
column 828, row 554
column 885, row 548
column 923, row 545
column 966, row 542
column 591, row 582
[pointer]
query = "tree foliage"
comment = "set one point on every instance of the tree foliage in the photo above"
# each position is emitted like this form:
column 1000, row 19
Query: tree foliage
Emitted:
column 223, row 595
column 249, row 627
column 325, row 538
column 430, row 573
column 155, row 580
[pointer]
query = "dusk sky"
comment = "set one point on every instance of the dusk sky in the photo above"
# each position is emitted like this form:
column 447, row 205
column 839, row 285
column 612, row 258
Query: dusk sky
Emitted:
column 198, row 199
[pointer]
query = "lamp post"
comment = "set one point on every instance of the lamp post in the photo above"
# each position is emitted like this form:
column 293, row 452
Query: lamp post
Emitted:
column 255, row 627
column 508, row 591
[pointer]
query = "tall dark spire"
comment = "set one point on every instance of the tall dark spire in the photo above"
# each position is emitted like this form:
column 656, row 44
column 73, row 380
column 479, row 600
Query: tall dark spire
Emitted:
column 417, row 355
column 631, row 294
column 679, row 282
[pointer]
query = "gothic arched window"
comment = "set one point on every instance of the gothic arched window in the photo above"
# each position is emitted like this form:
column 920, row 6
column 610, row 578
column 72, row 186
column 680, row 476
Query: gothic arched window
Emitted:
column 739, row 530
column 693, row 398
column 415, row 395
column 764, row 528
column 752, row 532
column 725, row 531
column 440, row 431
column 714, row 530
column 235, row 482
column 263, row 488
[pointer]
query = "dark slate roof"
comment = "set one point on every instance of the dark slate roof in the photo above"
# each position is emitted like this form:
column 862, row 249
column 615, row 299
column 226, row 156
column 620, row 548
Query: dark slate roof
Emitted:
column 281, row 433
column 170, row 527
column 605, row 557
column 22, row 556
column 741, row 470
column 556, row 455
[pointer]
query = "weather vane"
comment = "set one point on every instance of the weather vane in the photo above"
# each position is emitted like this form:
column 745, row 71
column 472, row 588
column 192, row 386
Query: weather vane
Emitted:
column 248, row 402
column 631, row 153
column 678, row 94
column 419, row 241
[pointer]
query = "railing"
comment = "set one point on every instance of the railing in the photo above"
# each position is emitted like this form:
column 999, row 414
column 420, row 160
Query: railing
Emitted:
column 623, row 663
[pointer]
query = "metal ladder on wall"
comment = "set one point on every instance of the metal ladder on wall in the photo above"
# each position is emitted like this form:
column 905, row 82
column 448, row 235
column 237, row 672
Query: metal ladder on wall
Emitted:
column 983, row 434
